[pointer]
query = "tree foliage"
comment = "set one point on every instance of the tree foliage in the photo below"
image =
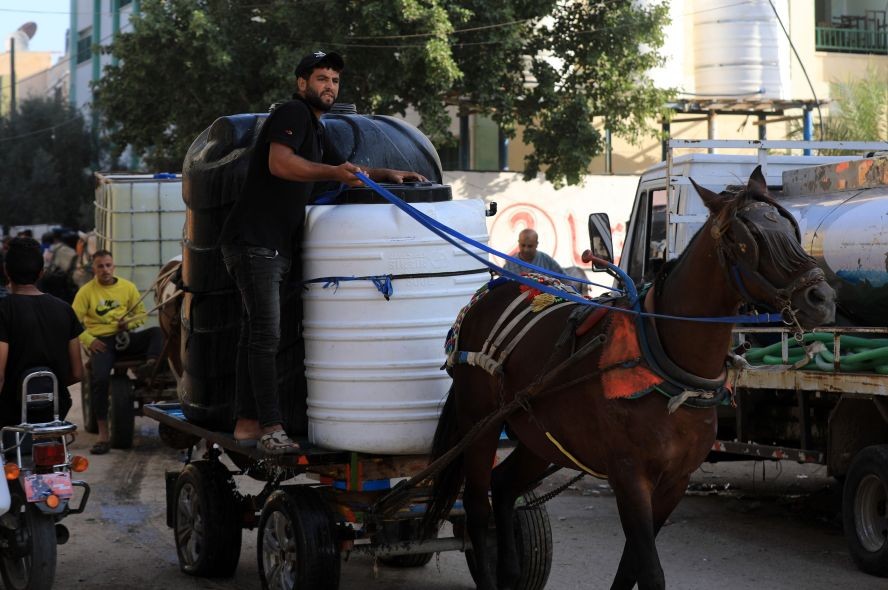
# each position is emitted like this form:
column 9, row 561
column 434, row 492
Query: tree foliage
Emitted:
column 858, row 111
column 547, row 67
column 45, row 155
column 861, row 109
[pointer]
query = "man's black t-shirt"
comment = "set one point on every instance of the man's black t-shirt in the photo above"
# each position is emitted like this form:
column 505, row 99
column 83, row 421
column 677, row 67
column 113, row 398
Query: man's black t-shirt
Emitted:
column 38, row 329
column 270, row 209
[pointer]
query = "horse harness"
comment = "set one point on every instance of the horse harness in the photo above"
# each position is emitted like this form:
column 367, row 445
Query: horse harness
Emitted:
column 681, row 387
column 732, row 257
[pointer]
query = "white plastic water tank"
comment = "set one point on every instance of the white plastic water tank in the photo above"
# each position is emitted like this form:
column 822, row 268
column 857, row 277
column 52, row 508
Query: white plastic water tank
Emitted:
column 740, row 49
column 373, row 366
column 139, row 218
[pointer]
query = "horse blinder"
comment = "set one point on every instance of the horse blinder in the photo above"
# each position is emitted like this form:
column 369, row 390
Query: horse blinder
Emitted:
column 736, row 252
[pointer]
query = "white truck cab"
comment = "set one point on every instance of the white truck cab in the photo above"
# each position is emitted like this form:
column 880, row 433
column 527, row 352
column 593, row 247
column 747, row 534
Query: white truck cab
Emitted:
column 667, row 210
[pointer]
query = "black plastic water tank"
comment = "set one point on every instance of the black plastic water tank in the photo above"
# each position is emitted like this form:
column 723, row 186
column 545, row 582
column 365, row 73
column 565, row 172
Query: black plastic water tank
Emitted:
column 213, row 173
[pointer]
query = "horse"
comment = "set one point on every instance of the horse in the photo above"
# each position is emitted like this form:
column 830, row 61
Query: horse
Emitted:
column 169, row 307
column 647, row 441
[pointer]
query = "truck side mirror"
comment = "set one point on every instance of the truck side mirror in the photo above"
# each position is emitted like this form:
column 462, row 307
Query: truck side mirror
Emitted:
column 600, row 236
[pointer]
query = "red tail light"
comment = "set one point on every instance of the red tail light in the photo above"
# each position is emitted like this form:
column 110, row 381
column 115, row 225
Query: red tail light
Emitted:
column 48, row 454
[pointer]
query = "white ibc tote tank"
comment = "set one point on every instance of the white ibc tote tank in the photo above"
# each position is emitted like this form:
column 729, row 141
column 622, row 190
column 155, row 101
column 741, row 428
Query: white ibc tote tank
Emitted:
column 139, row 219
column 373, row 366
column 740, row 49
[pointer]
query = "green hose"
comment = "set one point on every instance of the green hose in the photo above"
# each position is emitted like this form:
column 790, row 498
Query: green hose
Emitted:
column 858, row 354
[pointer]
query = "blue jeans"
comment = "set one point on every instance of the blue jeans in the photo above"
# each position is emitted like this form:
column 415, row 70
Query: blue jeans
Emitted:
column 259, row 275
column 148, row 342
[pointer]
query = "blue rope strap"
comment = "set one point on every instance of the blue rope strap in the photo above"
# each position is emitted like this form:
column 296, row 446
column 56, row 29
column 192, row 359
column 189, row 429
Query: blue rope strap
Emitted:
column 455, row 238
column 383, row 283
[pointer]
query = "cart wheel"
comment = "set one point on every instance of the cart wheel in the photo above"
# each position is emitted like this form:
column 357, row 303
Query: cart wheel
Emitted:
column 89, row 418
column 206, row 520
column 121, row 417
column 865, row 510
column 29, row 562
column 298, row 543
column 533, row 536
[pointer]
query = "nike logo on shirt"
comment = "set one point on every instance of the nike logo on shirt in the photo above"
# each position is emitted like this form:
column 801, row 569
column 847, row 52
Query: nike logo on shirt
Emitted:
column 105, row 306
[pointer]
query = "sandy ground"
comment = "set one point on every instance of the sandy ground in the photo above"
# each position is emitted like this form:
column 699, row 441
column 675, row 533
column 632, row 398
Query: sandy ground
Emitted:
column 742, row 525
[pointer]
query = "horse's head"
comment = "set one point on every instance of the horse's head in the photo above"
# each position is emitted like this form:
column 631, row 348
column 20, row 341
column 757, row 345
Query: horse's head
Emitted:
column 759, row 247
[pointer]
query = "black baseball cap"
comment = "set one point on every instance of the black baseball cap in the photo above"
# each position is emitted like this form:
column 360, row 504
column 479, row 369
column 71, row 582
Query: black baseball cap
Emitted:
column 319, row 58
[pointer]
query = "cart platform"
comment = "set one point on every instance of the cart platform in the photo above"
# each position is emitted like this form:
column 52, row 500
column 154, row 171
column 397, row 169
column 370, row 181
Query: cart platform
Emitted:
column 170, row 414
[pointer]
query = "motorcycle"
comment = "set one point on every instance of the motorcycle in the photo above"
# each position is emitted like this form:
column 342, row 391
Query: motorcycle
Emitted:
column 38, row 486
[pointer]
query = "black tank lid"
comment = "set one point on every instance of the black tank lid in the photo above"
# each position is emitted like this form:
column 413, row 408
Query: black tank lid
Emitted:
column 410, row 192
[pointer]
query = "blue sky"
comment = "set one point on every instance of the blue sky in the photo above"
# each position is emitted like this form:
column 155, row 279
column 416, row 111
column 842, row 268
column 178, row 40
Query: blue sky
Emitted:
column 51, row 16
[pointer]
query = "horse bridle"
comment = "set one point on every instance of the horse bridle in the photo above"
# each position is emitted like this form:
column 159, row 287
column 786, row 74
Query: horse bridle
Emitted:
column 734, row 239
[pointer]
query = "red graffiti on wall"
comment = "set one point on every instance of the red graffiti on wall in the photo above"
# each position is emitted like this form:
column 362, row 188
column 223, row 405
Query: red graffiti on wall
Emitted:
column 510, row 221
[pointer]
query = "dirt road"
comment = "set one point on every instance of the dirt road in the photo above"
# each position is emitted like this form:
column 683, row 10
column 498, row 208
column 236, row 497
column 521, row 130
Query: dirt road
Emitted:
column 739, row 527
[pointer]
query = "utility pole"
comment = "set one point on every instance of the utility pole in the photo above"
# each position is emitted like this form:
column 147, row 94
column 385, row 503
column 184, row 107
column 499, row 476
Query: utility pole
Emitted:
column 12, row 78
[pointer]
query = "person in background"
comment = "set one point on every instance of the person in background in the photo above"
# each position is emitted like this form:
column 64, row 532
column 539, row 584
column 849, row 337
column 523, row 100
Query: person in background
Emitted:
column 58, row 277
column 257, row 237
column 45, row 243
column 36, row 330
column 528, row 240
column 110, row 307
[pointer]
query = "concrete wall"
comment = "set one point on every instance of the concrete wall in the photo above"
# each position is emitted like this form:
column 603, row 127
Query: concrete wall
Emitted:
column 560, row 217
column 27, row 64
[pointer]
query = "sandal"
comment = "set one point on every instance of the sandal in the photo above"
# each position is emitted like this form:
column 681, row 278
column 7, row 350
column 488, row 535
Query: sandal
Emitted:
column 278, row 443
column 100, row 448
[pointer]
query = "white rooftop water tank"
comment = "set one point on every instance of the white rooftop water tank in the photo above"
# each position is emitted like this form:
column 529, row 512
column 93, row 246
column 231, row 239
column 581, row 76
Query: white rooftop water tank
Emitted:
column 373, row 366
column 740, row 49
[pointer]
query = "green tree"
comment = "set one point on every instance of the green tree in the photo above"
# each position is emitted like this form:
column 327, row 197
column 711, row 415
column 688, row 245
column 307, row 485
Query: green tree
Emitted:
column 861, row 109
column 858, row 111
column 549, row 67
column 45, row 155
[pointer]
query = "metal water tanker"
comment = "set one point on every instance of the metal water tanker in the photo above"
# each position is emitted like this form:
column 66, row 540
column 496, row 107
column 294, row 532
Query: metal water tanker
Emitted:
column 842, row 211
column 373, row 364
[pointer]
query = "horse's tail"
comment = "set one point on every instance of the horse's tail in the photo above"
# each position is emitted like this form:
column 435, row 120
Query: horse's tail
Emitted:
column 447, row 482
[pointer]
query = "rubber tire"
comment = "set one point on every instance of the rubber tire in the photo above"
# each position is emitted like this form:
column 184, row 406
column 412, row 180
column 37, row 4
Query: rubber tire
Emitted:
column 313, row 538
column 121, row 416
column 866, row 486
column 89, row 418
column 533, row 536
column 40, row 571
column 218, row 513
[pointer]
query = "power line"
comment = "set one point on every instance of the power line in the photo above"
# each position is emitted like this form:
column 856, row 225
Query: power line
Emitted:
column 39, row 131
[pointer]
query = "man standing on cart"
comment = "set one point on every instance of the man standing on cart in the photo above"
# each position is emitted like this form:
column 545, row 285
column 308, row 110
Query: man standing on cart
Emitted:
column 257, row 238
column 110, row 307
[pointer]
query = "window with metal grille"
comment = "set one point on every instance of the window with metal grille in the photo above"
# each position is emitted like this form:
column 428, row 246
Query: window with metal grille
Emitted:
column 84, row 45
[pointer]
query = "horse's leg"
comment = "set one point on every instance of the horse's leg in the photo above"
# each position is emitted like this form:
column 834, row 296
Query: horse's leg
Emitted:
column 633, row 491
column 664, row 501
column 511, row 478
column 478, row 459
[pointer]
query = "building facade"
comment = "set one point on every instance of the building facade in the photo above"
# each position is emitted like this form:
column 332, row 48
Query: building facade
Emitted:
column 94, row 24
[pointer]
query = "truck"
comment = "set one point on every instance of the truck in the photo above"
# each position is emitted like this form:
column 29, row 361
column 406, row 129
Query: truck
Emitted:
column 823, row 401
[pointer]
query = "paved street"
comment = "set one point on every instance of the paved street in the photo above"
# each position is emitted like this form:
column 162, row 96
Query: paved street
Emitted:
column 769, row 529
